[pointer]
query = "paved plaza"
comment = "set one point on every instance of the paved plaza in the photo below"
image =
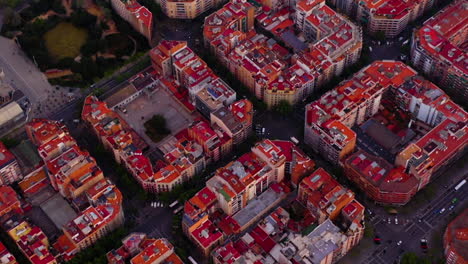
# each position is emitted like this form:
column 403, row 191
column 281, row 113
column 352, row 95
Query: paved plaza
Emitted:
column 143, row 108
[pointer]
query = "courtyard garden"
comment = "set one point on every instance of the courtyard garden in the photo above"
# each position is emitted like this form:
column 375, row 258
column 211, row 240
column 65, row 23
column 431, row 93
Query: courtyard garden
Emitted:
column 65, row 41
column 79, row 42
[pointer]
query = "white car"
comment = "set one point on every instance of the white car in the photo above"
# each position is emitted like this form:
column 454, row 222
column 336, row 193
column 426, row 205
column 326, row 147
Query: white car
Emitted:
column 399, row 243
column 396, row 221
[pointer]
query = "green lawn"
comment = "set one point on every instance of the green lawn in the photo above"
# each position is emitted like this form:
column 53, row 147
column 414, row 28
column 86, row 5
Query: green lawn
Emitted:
column 65, row 41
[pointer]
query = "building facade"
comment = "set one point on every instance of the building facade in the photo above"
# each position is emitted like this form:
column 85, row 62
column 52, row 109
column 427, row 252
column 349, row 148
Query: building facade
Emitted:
column 137, row 15
column 9, row 169
column 436, row 49
column 187, row 9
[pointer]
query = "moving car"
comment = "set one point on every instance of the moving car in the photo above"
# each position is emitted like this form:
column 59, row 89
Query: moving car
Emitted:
column 423, row 243
column 399, row 243
column 377, row 240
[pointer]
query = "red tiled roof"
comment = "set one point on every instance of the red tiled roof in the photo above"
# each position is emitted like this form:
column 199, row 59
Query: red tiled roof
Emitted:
column 9, row 200
column 6, row 157
column 206, row 234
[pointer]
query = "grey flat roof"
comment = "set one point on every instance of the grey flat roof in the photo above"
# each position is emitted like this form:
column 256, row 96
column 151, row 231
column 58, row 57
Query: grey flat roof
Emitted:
column 257, row 206
column 322, row 247
column 381, row 134
column 292, row 40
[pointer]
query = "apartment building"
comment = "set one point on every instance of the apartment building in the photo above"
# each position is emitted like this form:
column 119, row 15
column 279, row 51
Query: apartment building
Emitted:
column 247, row 186
column 9, row 201
column 235, row 120
column 137, row 15
column 5, row 256
column 176, row 60
column 73, row 172
column 185, row 154
column 187, row 9
column 437, row 51
column 267, row 68
column 31, row 241
column 139, row 249
column 256, row 62
column 328, row 120
column 297, row 163
column 92, row 224
column 196, row 208
column 271, row 241
column 9, row 169
column 234, row 17
column 323, row 196
column 444, row 136
column 214, row 96
column 240, row 181
column 454, row 240
column 102, row 216
column 205, row 235
column 381, row 181
column 215, row 144
column 41, row 131
column 389, row 17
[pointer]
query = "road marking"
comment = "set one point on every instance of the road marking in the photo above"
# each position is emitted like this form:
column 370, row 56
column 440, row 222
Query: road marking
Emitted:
column 409, row 227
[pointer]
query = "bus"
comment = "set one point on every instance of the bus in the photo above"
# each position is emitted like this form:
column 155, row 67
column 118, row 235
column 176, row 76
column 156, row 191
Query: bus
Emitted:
column 294, row 140
column 176, row 211
column 192, row 260
column 460, row 185
column 174, row 204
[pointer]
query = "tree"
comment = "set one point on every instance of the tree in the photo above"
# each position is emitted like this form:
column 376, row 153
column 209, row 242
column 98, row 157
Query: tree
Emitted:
column 9, row 142
column 90, row 47
column 81, row 18
column 58, row 7
column 156, row 128
column 107, row 13
column 65, row 63
column 11, row 17
column 412, row 258
column 369, row 230
column 283, row 107
column 9, row 3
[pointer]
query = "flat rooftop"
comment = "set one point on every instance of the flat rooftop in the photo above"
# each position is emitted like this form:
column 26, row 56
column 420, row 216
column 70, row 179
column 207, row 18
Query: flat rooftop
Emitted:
column 258, row 206
column 381, row 134
column 58, row 210
column 120, row 95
